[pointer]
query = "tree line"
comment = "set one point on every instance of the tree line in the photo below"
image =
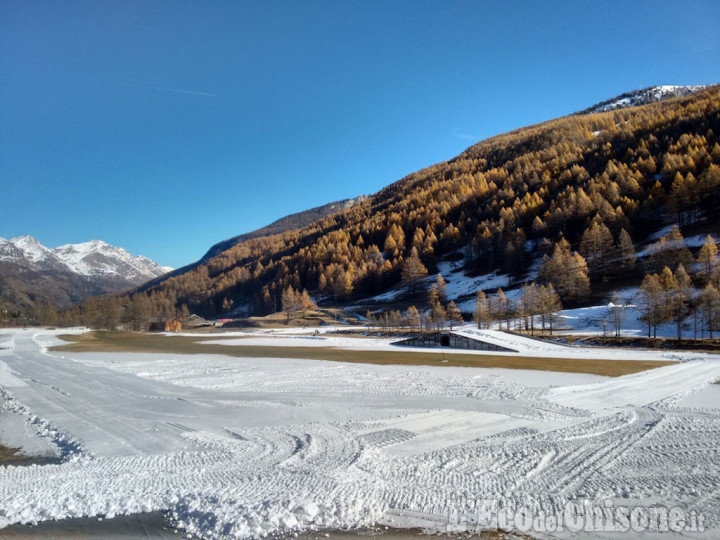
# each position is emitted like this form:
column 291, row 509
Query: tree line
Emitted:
column 673, row 296
column 676, row 287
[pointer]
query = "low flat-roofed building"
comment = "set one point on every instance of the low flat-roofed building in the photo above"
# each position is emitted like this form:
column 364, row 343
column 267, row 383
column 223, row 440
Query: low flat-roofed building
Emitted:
column 451, row 340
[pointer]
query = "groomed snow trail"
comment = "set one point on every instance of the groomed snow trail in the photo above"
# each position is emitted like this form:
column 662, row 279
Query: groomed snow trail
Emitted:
column 237, row 447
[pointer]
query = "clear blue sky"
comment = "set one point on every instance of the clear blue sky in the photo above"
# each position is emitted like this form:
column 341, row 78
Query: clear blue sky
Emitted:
column 167, row 126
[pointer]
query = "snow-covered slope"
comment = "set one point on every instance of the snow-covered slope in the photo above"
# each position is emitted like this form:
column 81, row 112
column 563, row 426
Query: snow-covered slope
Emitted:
column 28, row 253
column 643, row 97
column 94, row 258
column 97, row 257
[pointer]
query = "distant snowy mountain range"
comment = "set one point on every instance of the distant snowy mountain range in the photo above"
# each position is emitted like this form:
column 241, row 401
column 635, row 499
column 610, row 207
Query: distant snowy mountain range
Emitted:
column 31, row 272
column 643, row 97
column 91, row 259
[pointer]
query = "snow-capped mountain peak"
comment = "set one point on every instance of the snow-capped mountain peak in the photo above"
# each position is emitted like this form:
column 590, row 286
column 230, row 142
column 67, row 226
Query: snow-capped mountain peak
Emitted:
column 31, row 249
column 97, row 257
column 92, row 259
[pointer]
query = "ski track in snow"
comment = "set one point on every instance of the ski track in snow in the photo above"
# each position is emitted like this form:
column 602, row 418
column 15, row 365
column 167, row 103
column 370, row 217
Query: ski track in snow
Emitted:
column 238, row 447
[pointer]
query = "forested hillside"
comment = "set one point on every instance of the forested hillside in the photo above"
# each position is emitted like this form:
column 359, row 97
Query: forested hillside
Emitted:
column 287, row 223
column 581, row 191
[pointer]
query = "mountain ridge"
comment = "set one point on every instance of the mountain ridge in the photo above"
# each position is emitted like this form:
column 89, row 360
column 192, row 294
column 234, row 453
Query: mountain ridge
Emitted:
column 286, row 223
column 643, row 96
column 91, row 258
column 33, row 273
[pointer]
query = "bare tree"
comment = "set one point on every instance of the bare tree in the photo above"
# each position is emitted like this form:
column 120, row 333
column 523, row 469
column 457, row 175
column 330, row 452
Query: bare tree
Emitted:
column 626, row 252
column 441, row 288
column 438, row 314
column 413, row 270
column 454, row 314
column 482, row 315
column 548, row 304
column 708, row 255
column 413, row 317
column 502, row 308
column 597, row 246
column 681, row 292
column 306, row 303
column 528, row 305
column 617, row 313
column 291, row 302
column 652, row 306
column 710, row 307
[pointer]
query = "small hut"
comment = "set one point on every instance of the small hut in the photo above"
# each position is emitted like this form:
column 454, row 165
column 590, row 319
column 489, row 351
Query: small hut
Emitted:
column 195, row 321
column 173, row 325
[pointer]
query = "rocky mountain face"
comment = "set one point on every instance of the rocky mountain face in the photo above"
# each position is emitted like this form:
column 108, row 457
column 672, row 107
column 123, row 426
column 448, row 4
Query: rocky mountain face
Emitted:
column 31, row 272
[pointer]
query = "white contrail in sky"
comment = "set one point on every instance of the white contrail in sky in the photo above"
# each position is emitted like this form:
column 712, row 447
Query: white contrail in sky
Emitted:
column 462, row 135
column 151, row 87
column 178, row 90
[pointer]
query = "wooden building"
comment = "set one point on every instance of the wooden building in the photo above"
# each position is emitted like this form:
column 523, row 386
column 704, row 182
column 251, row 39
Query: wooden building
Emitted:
column 173, row 325
column 195, row 321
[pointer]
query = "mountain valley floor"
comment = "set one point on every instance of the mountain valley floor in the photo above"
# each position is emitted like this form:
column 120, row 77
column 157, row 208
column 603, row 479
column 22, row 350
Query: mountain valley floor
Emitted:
column 243, row 446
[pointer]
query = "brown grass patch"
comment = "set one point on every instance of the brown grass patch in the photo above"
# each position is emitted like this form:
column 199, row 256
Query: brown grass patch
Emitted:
column 310, row 319
column 7, row 455
column 157, row 343
column 12, row 456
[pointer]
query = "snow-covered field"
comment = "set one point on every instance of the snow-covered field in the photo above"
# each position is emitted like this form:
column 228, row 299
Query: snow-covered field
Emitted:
column 239, row 447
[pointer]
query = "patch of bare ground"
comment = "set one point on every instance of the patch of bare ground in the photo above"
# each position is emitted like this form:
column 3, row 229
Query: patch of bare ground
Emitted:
column 133, row 526
column 14, row 457
column 299, row 319
column 699, row 345
column 159, row 343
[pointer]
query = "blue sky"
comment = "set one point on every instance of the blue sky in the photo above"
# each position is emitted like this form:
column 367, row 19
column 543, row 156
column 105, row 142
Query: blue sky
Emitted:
column 167, row 126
